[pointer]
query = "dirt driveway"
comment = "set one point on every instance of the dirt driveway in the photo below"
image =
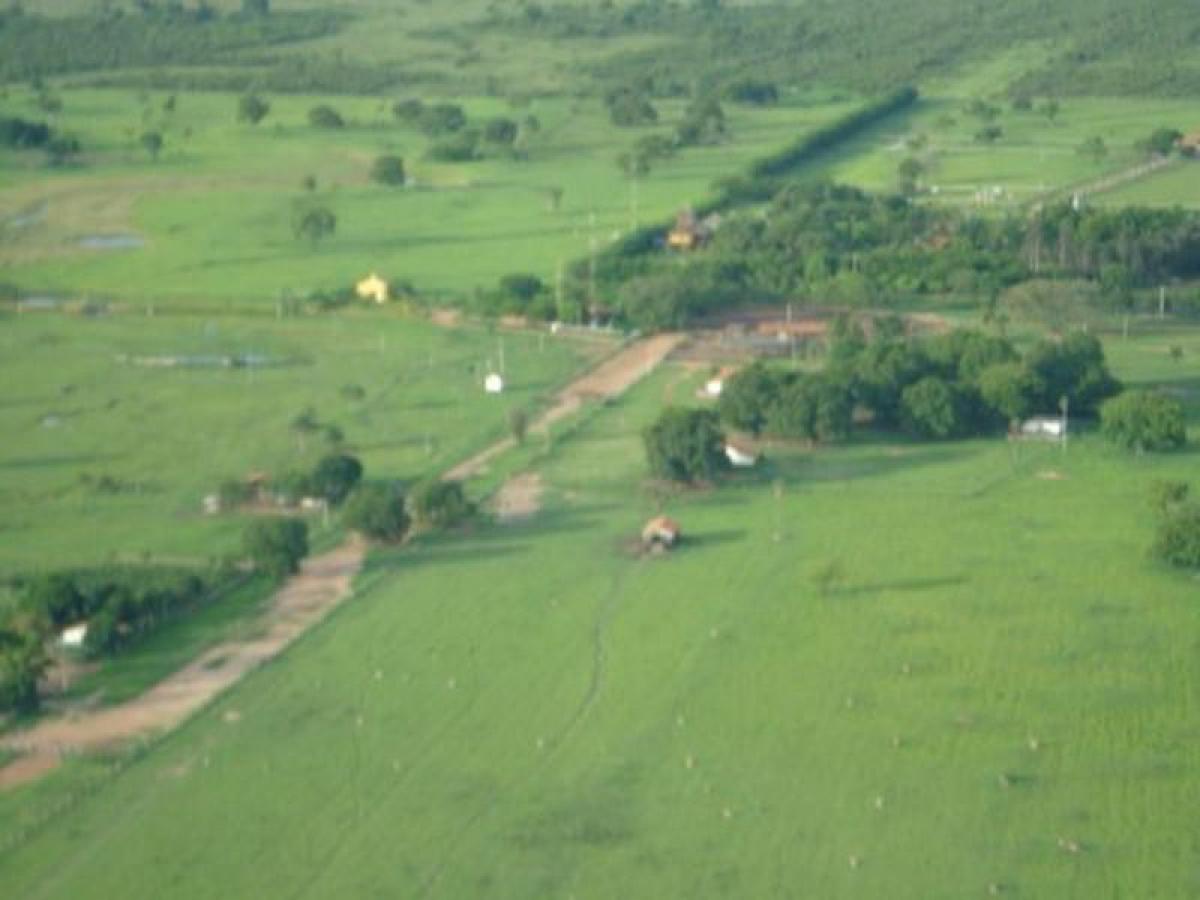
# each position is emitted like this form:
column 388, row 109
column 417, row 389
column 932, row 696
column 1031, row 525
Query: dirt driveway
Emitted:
column 611, row 378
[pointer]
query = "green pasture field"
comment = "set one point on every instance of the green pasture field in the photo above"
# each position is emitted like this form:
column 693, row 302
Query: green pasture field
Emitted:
column 1035, row 157
column 79, row 408
column 215, row 210
column 994, row 687
column 1176, row 186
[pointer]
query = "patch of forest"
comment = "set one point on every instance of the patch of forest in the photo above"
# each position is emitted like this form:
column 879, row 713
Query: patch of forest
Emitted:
column 1107, row 46
column 34, row 46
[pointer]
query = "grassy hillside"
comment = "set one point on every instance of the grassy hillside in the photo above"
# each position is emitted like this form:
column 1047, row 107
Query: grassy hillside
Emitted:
column 994, row 692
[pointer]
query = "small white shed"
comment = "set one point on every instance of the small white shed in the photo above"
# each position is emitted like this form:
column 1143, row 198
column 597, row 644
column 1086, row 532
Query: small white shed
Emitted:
column 1051, row 428
column 740, row 457
column 73, row 636
column 493, row 384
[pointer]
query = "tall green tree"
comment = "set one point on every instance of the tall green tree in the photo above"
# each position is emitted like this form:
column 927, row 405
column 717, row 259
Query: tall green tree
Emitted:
column 252, row 109
column 686, row 445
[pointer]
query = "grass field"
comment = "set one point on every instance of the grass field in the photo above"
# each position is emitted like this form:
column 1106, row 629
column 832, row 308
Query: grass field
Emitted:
column 1034, row 157
column 106, row 458
column 215, row 211
column 999, row 676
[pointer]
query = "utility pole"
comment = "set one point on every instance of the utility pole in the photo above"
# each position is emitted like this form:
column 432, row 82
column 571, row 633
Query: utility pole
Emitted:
column 591, row 264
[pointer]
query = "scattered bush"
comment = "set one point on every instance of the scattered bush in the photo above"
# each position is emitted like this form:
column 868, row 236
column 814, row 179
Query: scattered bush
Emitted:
column 377, row 512
column 276, row 546
column 933, row 408
column 388, row 170
column 440, row 504
column 336, row 476
column 324, row 116
column 1165, row 496
column 1178, row 539
column 1144, row 420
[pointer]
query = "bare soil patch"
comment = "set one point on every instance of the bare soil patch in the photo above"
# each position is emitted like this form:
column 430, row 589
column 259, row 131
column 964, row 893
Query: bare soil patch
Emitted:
column 519, row 498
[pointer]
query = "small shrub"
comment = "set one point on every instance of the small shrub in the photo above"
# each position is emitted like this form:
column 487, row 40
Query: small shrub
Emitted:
column 1166, row 495
column 388, row 170
column 336, row 476
column 377, row 512
column 276, row 545
column 1144, row 420
column 324, row 116
column 441, row 504
column 1178, row 539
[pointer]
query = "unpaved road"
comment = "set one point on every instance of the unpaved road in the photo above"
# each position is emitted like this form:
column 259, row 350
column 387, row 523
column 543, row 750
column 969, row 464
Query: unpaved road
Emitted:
column 322, row 583
column 611, row 378
column 306, row 598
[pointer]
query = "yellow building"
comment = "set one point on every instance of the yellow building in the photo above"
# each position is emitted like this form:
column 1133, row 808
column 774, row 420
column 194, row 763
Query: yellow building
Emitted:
column 372, row 288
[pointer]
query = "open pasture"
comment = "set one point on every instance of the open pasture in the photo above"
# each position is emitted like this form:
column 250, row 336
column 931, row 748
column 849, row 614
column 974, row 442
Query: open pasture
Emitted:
column 888, row 669
column 108, row 452
column 210, row 220
column 1034, row 157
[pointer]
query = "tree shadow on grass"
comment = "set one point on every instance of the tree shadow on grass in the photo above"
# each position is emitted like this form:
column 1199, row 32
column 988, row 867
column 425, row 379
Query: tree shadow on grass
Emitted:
column 904, row 585
column 885, row 460
column 38, row 462
column 699, row 540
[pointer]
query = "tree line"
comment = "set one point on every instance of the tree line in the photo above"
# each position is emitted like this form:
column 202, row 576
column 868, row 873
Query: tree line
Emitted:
column 160, row 34
column 956, row 385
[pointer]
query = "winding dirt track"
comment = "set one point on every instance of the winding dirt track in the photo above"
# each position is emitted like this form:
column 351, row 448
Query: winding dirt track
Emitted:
column 306, row 598
column 323, row 582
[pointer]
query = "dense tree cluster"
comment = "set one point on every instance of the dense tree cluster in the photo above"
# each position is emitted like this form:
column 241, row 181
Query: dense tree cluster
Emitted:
column 872, row 45
column 845, row 245
column 120, row 604
column 160, row 34
column 954, row 385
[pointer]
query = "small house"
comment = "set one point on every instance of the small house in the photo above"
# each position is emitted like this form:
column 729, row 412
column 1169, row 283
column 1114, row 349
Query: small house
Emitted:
column 372, row 288
column 689, row 232
column 1189, row 144
column 73, row 636
column 713, row 388
column 661, row 532
column 1047, row 428
column 493, row 384
column 740, row 456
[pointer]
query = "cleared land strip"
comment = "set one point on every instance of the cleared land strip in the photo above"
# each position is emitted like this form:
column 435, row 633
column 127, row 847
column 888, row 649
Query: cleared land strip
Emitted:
column 611, row 378
column 323, row 582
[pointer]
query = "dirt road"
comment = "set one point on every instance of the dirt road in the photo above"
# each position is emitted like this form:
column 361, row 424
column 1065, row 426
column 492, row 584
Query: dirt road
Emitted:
column 611, row 378
column 306, row 598
column 322, row 583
